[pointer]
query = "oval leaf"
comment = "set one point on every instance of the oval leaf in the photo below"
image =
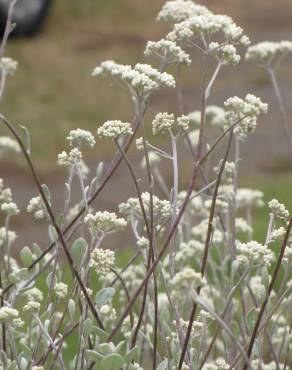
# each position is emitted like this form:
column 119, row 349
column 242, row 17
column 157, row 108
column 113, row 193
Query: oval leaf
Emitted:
column 104, row 296
column 112, row 362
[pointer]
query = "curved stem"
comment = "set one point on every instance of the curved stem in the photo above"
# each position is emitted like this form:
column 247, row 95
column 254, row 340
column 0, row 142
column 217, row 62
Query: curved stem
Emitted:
column 52, row 218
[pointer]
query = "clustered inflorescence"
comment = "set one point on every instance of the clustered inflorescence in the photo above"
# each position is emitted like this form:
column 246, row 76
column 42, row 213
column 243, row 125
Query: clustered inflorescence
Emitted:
column 199, row 286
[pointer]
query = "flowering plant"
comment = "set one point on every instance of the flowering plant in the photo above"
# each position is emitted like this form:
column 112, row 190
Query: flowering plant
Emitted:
column 199, row 292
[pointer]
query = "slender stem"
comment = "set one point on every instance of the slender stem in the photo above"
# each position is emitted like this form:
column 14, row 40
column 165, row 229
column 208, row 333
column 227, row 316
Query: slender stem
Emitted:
column 165, row 244
column 270, row 288
column 8, row 27
column 53, row 219
column 206, row 248
column 283, row 113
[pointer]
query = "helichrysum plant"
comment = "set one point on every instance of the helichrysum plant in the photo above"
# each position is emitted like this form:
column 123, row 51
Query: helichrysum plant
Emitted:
column 198, row 292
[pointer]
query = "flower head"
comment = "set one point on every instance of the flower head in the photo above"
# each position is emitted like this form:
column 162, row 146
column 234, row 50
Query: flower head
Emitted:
column 243, row 113
column 268, row 53
column 79, row 136
column 8, row 144
column 114, row 129
column 102, row 261
column 71, row 158
column 8, row 314
column 142, row 79
column 105, row 222
column 8, row 65
column 278, row 209
column 167, row 51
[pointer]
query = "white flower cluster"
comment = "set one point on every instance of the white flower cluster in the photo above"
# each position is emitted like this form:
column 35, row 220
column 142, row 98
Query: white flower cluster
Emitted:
column 8, row 144
column 10, row 208
column 219, row 364
column 214, row 116
column 249, row 198
column 268, row 53
column 254, row 253
column 188, row 251
column 34, row 297
column 165, row 122
column 6, row 195
column 258, row 287
column 278, row 209
column 102, row 261
column 167, row 51
column 104, row 222
column 6, row 202
column 7, row 314
column 4, row 235
column 208, row 25
column 277, row 234
column 8, row 66
column 36, row 207
column 200, row 231
column 61, row 290
column 228, row 172
column 187, row 278
column 108, row 314
column 244, row 113
column 79, row 136
column 242, row 226
column 176, row 11
column 162, row 209
column 114, row 129
column 229, row 55
column 143, row 79
column 74, row 157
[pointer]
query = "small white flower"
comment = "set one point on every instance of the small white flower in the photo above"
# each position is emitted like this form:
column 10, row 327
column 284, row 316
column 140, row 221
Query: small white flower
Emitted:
column 31, row 306
column 278, row 209
column 244, row 112
column 8, row 65
column 230, row 56
column 162, row 123
column 102, row 261
column 7, row 314
column 107, row 313
column 10, row 208
column 214, row 116
column 79, row 136
column 143, row 242
column 6, row 195
column 61, row 290
column 18, row 323
column 176, row 11
column 34, row 294
column 105, row 222
column 36, row 207
column 139, row 144
column 11, row 235
column 249, row 198
column 8, row 144
column 254, row 253
column 187, row 278
column 74, row 157
column 142, row 79
column 114, row 129
column 268, row 53
column 167, row 51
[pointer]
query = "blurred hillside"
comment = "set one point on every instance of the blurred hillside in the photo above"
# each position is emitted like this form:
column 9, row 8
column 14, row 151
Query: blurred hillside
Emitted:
column 53, row 91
